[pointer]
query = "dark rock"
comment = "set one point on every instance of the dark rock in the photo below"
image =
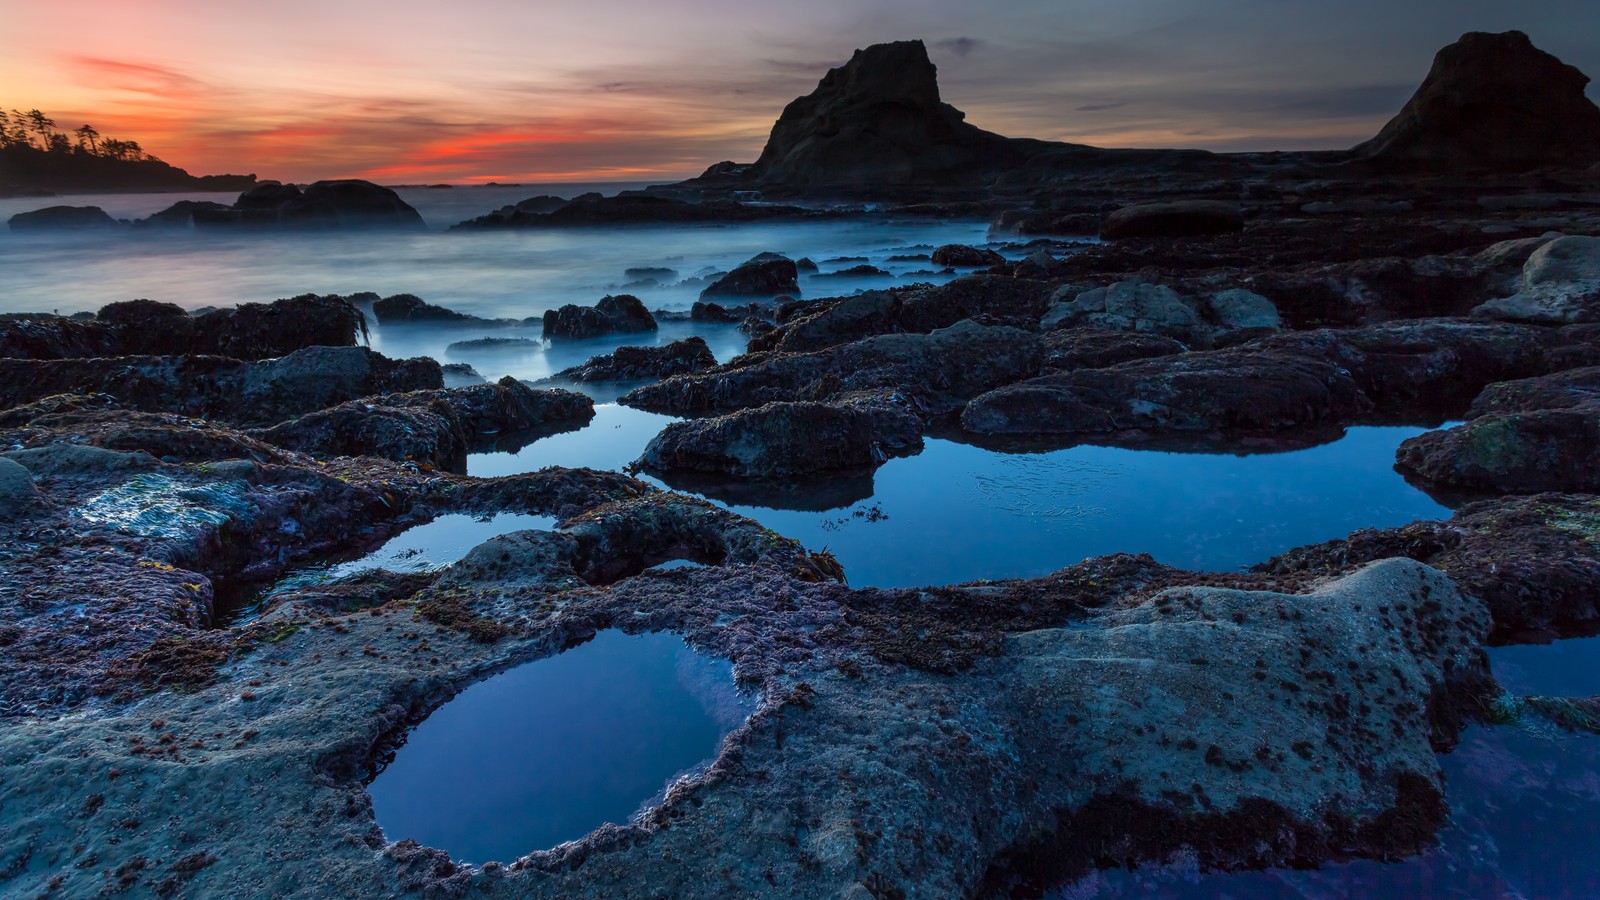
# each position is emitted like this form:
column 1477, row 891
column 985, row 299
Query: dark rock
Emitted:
column 1179, row 218
column 53, row 218
column 182, row 213
column 687, row 356
column 757, row 278
column 804, row 264
column 635, row 209
column 1534, row 560
column 403, row 308
column 1220, row 390
column 937, row 370
column 1492, row 101
column 1561, row 390
column 492, row 413
column 460, row 375
column 785, row 439
column 263, row 330
column 620, row 314
column 1072, row 348
column 878, row 120
column 493, row 345
column 346, row 203
column 656, row 273
column 756, row 326
column 963, row 255
column 428, row 435
column 145, row 326
column 1042, row 222
column 227, row 390
column 1511, row 453
column 915, row 308
column 713, row 312
column 861, row 271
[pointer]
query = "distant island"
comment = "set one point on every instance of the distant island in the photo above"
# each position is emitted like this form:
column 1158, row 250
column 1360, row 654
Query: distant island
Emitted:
column 36, row 159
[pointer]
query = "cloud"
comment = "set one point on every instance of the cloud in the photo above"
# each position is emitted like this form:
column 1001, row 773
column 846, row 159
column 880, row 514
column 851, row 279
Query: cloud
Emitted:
column 1100, row 107
column 960, row 46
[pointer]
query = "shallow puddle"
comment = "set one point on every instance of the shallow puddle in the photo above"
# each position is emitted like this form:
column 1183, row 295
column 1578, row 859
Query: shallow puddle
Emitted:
column 548, row 751
column 425, row 548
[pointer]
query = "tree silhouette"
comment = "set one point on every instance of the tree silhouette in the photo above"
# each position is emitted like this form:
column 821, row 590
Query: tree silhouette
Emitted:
column 87, row 135
column 43, row 125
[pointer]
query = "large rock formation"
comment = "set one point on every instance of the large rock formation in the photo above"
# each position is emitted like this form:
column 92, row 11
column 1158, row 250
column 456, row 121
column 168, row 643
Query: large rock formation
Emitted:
column 878, row 120
column 346, row 203
column 1492, row 101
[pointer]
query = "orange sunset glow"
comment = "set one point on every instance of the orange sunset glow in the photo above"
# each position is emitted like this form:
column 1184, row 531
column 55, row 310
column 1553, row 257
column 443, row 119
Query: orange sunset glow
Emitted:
column 482, row 91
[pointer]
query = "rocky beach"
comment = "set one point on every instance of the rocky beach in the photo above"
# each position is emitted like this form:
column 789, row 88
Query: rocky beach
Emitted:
column 195, row 697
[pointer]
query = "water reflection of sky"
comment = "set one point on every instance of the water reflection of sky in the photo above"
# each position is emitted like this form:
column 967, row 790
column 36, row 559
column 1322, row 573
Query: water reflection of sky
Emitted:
column 548, row 751
column 957, row 512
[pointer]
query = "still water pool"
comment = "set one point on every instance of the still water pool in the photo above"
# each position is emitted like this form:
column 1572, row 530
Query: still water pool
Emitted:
column 548, row 751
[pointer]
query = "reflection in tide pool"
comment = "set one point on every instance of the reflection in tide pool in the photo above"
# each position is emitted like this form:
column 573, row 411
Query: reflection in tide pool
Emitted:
column 615, row 438
column 959, row 513
column 551, row 750
column 425, row 548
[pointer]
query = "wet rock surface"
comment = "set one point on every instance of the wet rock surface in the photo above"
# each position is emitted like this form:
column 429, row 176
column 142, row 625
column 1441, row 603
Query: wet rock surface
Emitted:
column 987, row 739
column 684, row 357
column 619, row 314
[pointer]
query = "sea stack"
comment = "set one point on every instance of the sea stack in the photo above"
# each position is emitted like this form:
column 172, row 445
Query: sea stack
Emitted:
column 1492, row 101
column 878, row 120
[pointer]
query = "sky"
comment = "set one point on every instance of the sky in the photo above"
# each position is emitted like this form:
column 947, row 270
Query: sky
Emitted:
column 470, row 91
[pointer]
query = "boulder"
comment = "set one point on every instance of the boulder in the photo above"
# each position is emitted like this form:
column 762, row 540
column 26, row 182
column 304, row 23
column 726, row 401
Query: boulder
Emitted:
column 785, row 439
column 620, row 314
column 757, row 278
column 1239, row 308
column 1178, row 218
column 406, row 308
column 491, row 413
column 964, row 256
column 1235, row 390
column 181, row 214
column 1511, row 453
column 343, row 203
column 687, row 356
column 17, row 490
column 1132, row 305
column 54, row 218
column 1492, row 101
column 1560, row 285
column 938, row 370
column 715, row 312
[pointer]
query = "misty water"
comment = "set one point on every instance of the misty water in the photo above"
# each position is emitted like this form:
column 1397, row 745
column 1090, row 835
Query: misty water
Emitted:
column 952, row 513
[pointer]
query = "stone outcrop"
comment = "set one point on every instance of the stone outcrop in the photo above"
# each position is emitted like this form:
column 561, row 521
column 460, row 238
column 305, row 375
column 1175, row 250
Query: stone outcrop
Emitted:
column 62, row 218
column 786, row 439
column 684, row 357
column 1560, row 284
column 1492, row 101
column 345, row 203
column 878, row 120
column 764, row 276
column 620, row 314
column 1177, row 218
